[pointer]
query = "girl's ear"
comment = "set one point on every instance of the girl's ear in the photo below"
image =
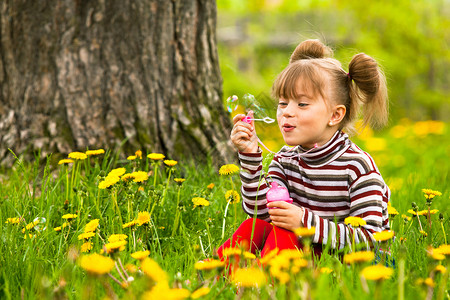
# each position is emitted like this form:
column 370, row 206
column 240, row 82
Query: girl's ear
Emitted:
column 338, row 115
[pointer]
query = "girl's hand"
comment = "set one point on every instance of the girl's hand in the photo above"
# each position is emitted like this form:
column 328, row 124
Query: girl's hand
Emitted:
column 243, row 135
column 286, row 215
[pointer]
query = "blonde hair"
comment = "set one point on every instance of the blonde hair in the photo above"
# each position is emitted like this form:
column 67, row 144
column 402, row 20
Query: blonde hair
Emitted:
column 364, row 86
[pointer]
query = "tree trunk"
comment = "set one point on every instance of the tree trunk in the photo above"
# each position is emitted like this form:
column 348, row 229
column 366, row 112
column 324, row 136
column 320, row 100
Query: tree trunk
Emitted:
column 94, row 74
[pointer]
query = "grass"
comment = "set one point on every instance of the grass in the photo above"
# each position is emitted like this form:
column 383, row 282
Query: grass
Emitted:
column 40, row 262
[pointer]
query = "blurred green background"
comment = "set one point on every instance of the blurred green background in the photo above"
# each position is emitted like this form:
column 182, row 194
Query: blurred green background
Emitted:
column 408, row 38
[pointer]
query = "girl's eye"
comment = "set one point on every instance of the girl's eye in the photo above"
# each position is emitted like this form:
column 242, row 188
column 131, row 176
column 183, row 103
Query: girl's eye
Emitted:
column 282, row 103
column 303, row 104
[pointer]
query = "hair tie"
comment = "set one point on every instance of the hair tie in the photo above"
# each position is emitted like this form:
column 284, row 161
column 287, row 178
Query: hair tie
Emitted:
column 349, row 76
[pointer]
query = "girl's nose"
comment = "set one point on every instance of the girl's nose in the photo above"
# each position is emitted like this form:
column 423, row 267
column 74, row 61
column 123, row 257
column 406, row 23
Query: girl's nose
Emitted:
column 288, row 111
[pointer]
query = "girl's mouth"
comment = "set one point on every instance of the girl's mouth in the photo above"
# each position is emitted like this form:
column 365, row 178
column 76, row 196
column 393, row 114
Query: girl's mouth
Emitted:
column 287, row 127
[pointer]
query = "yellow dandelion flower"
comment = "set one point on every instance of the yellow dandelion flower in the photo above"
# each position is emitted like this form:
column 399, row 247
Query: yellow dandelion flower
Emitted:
column 249, row 255
column 65, row 161
column 138, row 154
column 428, row 282
column 231, row 251
column 69, row 216
column 31, row 225
column 77, row 155
column 95, row 152
column 199, row 201
column 228, row 169
column 443, row 249
column 377, row 272
column 59, row 228
column 209, row 264
column 86, row 247
column 127, row 177
column 96, row 264
column 108, row 182
column 383, row 235
column 116, row 172
column 162, row 291
column 232, row 196
column 430, row 194
column 13, row 220
column 153, row 270
column 424, row 233
column 117, row 237
column 440, row 268
column 140, row 255
column 140, row 189
column 143, row 218
column 325, row 270
column 305, row 232
column 355, row 221
column 131, row 157
column 131, row 268
column 359, row 257
column 91, row 226
column 170, row 163
column 249, row 277
column 156, row 156
column 414, row 213
column 405, row 217
column 130, row 224
column 435, row 253
column 140, row 176
column 203, row 291
column 179, row 180
column 392, row 211
column 115, row 246
column 269, row 256
column 29, row 236
column 210, row 186
column 86, row 235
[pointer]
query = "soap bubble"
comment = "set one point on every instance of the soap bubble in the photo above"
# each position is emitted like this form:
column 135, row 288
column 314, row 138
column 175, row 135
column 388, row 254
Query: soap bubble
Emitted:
column 232, row 103
column 261, row 112
column 41, row 225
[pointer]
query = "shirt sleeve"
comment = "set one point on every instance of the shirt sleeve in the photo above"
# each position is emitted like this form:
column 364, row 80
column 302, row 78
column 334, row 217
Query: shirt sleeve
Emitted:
column 255, row 183
column 368, row 200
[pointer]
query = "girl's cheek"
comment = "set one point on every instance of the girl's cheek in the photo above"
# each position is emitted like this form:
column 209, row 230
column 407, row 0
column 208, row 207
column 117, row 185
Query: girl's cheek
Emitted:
column 280, row 112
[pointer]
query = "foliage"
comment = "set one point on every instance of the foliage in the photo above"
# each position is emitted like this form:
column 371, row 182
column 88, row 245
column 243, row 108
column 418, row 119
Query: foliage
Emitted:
column 408, row 38
column 44, row 217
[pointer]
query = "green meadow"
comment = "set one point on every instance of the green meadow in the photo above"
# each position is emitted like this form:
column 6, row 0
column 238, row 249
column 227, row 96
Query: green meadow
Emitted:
column 111, row 225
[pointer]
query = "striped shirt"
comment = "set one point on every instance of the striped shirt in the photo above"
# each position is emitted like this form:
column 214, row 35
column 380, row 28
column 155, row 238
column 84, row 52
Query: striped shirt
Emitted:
column 330, row 182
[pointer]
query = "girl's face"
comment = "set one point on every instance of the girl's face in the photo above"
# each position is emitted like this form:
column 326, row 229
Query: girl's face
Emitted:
column 306, row 120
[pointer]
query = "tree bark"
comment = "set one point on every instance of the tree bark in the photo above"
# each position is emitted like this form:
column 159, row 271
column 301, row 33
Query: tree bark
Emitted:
column 96, row 74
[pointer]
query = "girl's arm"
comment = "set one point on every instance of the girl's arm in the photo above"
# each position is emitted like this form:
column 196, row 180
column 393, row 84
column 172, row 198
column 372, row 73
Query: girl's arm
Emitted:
column 368, row 200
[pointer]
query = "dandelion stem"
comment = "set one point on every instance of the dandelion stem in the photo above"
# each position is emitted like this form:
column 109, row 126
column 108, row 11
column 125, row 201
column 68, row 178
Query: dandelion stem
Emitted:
column 401, row 279
column 115, row 279
column 443, row 230
column 167, row 186
column 123, row 269
column 224, row 219
column 177, row 213
column 156, row 173
column 420, row 224
column 118, row 271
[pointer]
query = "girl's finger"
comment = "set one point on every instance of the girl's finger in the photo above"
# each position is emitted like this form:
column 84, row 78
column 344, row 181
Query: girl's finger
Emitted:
column 238, row 117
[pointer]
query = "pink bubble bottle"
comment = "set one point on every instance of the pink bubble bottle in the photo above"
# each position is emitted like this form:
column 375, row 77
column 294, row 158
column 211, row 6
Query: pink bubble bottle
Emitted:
column 278, row 193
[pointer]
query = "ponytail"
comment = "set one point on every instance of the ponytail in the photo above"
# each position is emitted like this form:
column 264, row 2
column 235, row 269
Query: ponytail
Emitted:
column 367, row 87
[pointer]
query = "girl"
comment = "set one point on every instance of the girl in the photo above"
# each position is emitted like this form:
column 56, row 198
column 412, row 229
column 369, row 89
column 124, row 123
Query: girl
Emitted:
column 328, row 177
